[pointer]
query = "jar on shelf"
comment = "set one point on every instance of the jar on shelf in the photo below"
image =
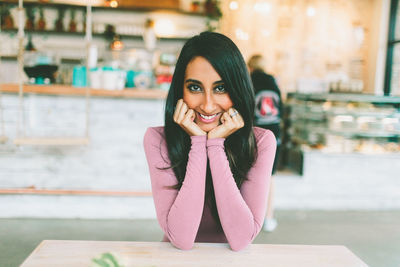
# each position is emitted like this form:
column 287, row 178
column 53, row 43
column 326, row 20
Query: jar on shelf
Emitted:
column 41, row 23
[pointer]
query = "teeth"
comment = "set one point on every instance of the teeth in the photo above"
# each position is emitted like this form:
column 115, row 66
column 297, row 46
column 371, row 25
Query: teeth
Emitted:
column 208, row 117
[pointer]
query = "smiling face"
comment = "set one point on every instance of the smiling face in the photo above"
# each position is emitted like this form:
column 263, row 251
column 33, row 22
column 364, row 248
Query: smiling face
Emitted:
column 205, row 93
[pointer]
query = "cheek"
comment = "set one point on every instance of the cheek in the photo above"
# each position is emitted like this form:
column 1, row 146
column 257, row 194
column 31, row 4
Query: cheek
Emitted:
column 189, row 99
column 226, row 103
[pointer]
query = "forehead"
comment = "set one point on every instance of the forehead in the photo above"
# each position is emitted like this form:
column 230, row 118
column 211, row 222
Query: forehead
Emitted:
column 200, row 69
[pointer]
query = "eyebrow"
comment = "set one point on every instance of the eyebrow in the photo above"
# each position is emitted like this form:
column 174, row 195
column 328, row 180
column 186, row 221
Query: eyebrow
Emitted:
column 198, row 82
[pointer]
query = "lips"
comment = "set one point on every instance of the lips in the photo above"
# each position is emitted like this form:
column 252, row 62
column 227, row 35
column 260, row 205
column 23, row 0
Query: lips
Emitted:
column 207, row 119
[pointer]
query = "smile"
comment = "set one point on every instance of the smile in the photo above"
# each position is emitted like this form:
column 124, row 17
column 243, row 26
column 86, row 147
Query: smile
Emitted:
column 207, row 119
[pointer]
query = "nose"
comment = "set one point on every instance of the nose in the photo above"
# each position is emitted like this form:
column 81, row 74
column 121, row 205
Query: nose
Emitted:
column 208, row 104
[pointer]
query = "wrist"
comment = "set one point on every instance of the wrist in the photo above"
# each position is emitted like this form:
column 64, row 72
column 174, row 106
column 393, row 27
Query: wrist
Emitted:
column 199, row 133
column 212, row 135
column 216, row 142
column 198, row 139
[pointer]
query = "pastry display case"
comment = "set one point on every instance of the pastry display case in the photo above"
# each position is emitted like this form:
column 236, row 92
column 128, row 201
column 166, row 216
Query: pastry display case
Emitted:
column 340, row 123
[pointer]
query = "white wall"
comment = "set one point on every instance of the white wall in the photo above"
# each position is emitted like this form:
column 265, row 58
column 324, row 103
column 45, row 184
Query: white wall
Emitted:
column 113, row 161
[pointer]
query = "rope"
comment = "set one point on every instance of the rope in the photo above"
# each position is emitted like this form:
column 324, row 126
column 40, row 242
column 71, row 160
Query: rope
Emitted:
column 88, row 45
column 21, row 121
column 20, row 57
column 2, row 133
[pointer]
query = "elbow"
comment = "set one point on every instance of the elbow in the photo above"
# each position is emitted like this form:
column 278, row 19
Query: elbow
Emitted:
column 238, row 246
column 183, row 240
column 238, row 243
column 182, row 244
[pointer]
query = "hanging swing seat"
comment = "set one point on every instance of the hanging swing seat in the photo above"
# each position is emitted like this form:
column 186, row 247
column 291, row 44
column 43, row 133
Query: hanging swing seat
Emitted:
column 52, row 141
column 22, row 138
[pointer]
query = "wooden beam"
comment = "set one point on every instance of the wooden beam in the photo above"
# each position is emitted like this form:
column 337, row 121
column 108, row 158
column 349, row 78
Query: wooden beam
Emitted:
column 51, row 141
column 58, row 89
column 33, row 191
column 149, row 3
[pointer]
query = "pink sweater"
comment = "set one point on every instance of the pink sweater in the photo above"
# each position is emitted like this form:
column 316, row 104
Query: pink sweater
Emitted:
column 182, row 214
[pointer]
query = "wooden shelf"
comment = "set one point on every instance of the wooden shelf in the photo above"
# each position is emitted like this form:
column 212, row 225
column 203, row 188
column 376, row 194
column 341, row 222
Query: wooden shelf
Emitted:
column 34, row 191
column 142, row 8
column 51, row 141
column 98, row 35
column 57, row 89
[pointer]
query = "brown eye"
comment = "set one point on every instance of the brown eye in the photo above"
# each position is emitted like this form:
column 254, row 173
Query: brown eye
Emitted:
column 220, row 89
column 194, row 88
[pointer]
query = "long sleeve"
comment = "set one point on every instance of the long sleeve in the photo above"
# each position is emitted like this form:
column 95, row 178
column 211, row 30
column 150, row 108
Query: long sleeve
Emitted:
column 179, row 212
column 241, row 212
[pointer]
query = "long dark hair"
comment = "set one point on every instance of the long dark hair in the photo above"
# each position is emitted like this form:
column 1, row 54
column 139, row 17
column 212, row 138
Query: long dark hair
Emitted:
column 240, row 147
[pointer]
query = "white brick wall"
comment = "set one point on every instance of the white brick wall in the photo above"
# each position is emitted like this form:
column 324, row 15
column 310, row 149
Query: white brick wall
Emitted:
column 114, row 159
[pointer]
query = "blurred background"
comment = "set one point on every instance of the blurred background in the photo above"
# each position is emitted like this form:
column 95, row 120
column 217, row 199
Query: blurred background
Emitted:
column 81, row 81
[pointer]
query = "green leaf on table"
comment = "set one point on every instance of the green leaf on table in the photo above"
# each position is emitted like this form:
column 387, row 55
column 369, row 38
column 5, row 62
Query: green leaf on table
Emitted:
column 110, row 257
column 106, row 260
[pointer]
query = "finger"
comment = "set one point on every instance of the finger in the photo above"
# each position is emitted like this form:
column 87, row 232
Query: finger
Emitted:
column 193, row 115
column 222, row 120
column 231, row 111
column 188, row 117
column 177, row 109
column 241, row 121
column 182, row 112
column 234, row 114
column 237, row 118
column 228, row 120
column 181, row 103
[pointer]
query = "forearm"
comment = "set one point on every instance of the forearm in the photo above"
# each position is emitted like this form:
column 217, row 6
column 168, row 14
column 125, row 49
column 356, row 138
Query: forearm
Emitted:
column 183, row 220
column 179, row 211
column 235, row 216
column 241, row 212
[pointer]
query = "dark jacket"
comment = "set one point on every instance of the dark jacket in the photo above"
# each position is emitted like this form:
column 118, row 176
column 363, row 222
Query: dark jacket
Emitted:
column 266, row 87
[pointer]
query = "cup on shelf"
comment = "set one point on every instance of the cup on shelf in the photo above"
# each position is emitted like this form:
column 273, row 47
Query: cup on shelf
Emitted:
column 113, row 79
column 79, row 76
column 95, row 77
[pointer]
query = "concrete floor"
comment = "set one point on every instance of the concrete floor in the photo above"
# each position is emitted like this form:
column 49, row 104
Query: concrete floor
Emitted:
column 372, row 236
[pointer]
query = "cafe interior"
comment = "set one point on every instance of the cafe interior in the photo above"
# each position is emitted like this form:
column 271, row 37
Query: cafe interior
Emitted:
column 81, row 81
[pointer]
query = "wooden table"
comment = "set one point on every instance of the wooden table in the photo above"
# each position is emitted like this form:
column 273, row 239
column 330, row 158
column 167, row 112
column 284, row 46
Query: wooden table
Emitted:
column 81, row 253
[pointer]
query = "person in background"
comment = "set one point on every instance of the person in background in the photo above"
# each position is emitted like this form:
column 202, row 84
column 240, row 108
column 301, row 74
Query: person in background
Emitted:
column 268, row 112
column 209, row 167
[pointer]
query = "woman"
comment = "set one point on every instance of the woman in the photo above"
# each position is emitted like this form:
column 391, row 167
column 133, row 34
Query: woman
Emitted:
column 268, row 116
column 209, row 167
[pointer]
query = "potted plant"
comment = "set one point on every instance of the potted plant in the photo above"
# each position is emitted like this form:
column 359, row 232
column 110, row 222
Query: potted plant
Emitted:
column 213, row 12
column 195, row 6
column 212, row 9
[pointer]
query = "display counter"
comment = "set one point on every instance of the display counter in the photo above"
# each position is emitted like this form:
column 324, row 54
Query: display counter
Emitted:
column 52, row 158
column 340, row 124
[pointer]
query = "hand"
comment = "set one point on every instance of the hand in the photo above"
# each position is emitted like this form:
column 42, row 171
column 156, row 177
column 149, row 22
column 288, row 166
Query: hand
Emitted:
column 231, row 121
column 184, row 117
